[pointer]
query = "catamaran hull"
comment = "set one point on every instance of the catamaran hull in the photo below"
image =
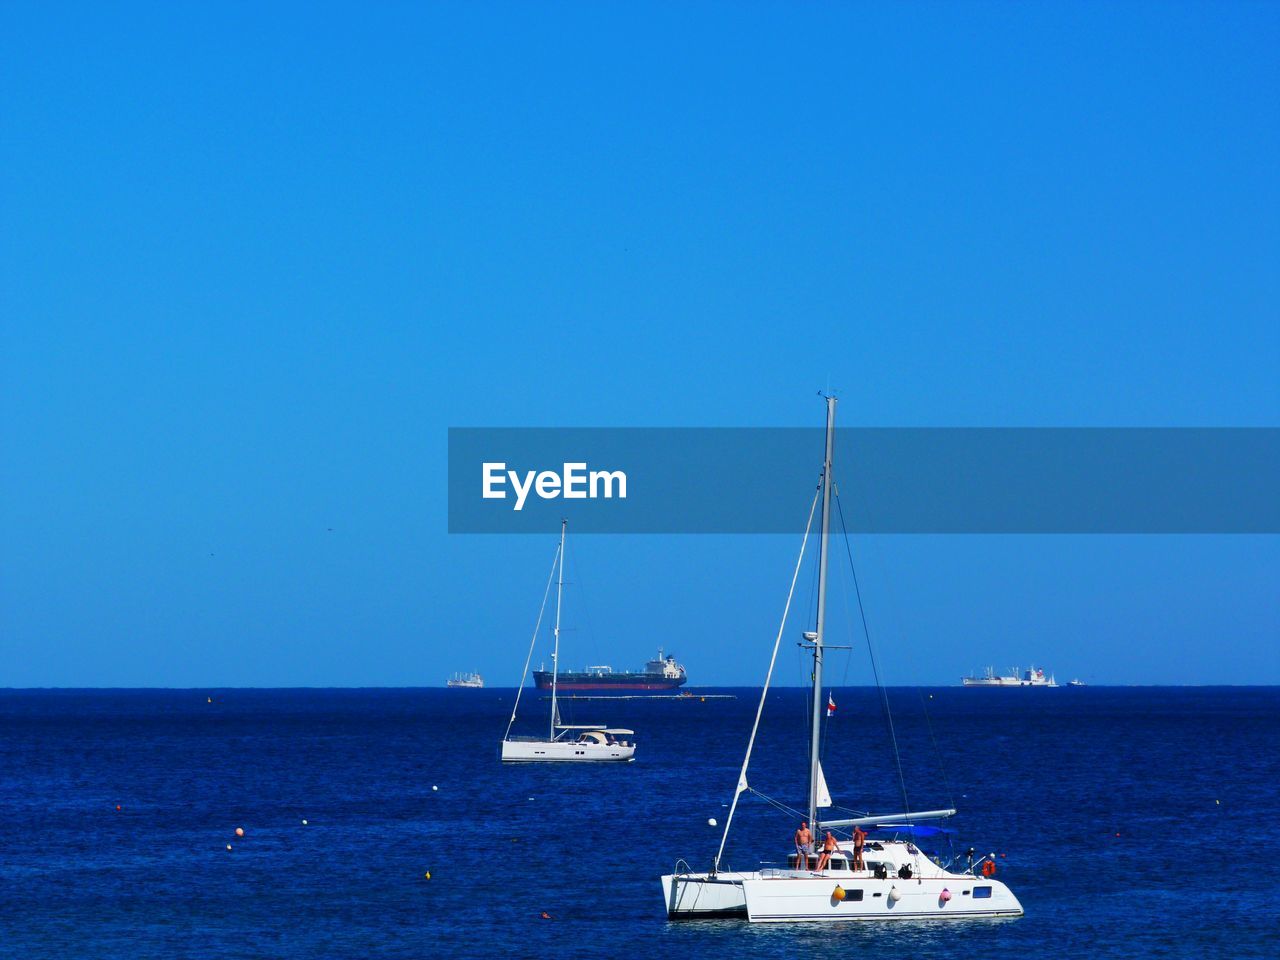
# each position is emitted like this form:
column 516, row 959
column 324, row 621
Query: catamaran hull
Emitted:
column 699, row 897
column 791, row 899
column 532, row 751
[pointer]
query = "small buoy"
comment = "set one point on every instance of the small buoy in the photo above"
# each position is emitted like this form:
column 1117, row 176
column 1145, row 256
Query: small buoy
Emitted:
column 1117, row 833
column 711, row 821
column 427, row 875
column 434, row 787
column 304, row 823
column 228, row 846
column 208, row 699
column 895, row 894
column 945, row 895
column 545, row 915
column 117, row 806
column 239, row 831
column 837, row 893
column 704, row 699
column 1217, row 802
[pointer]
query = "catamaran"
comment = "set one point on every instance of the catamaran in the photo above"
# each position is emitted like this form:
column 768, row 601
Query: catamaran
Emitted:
column 887, row 877
column 563, row 742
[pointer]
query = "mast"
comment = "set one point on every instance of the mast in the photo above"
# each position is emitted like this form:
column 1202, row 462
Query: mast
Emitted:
column 555, row 654
column 814, row 742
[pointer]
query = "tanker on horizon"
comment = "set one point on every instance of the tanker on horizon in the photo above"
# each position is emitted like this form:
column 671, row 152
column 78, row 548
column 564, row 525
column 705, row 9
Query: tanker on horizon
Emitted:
column 1035, row 677
column 664, row 673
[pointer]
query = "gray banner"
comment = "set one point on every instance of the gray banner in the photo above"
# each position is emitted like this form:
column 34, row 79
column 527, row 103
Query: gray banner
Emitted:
column 890, row 480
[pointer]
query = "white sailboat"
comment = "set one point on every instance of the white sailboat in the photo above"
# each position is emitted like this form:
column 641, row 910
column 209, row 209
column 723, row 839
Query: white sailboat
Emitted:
column 563, row 742
column 889, row 878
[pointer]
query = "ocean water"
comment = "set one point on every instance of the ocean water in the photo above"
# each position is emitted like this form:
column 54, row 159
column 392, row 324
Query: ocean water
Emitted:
column 1130, row 822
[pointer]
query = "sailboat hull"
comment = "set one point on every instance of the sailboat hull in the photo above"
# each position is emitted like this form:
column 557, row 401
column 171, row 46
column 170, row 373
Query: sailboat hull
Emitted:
column 785, row 897
column 791, row 900
column 573, row 751
column 697, row 896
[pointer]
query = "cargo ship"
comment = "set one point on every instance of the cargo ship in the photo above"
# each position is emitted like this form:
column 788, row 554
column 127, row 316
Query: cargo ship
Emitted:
column 468, row 681
column 1035, row 677
column 658, row 675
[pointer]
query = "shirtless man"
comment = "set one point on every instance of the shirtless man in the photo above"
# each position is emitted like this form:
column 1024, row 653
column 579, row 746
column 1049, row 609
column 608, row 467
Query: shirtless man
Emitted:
column 828, row 848
column 859, row 838
column 804, row 846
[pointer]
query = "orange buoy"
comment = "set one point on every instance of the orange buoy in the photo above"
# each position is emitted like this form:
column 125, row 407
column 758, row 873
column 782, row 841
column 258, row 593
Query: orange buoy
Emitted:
column 989, row 868
column 239, row 831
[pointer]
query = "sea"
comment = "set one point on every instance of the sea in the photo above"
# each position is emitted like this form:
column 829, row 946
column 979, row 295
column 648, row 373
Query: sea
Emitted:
column 1130, row 822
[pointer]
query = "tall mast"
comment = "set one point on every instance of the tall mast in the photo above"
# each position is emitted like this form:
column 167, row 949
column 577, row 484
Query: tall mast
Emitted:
column 555, row 654
column 814, row 743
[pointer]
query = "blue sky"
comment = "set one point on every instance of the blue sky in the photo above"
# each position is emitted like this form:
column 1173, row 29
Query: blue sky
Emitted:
column 255, row 262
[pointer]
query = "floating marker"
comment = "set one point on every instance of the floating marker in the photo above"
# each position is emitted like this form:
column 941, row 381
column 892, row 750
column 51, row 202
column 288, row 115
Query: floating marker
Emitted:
column 228, row 846
column 427, row 875
column 434, row 787
column 304, row 823
column 711, row 821
column 1217, row 802
column 117, row 806
column 545, row 915
column 239, row 831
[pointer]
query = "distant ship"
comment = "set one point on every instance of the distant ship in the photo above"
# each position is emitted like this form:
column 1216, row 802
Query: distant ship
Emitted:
column 660, row 674
column 472, row 681
column 1076, row 683
column 1035, row 677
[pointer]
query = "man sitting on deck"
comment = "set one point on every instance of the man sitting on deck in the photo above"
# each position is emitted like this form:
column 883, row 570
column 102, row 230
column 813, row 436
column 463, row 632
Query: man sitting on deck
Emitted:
column 828, row 848
column 804, row 846
column 859, row 838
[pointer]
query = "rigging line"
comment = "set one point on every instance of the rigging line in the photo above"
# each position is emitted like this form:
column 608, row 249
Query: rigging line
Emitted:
column 928, row 718
column 764, row 692
column 536, row 627
column 778, row 804
column 875, row 669
column 937, row 751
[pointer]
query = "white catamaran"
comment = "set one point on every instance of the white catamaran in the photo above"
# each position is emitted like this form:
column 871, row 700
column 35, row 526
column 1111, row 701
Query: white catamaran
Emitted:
column 888, row 878
column 563, row 742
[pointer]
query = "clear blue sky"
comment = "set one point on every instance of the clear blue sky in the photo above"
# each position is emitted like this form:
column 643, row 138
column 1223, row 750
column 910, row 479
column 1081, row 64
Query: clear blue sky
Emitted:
column 256, row 259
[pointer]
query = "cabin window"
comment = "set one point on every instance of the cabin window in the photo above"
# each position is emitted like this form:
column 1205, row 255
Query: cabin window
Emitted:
column 981, row 892
column 853, row 895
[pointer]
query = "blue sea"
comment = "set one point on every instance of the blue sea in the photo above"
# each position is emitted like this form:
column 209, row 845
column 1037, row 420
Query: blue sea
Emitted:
column 1130, row 822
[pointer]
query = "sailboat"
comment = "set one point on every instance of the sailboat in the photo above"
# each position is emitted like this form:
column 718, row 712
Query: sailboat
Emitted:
column 886, row 878
column 564, row 742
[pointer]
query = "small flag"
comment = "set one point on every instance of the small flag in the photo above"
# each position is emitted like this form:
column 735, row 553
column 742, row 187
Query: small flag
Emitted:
column 831, row 706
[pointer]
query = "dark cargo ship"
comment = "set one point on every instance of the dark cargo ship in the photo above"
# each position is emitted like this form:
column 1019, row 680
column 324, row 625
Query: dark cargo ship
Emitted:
column 658, row 675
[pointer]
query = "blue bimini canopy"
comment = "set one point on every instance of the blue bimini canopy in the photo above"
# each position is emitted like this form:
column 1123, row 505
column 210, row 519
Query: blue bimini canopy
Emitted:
column 916, row 830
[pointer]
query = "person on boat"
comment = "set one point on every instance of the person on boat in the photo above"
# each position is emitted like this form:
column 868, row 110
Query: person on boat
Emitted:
column 828, row 848
column 859, row 838
column 804, row 846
